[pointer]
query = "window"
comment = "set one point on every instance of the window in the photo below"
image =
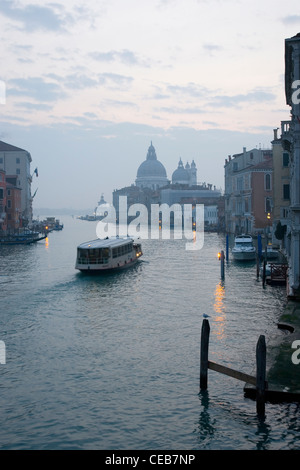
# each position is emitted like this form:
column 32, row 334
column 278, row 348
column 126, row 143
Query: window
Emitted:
column 8, row 192
column 17, row 160
column 240, row 185
column 18, row 171
column 284, row 213
column 285, row 159
column 286, row 191
column 267, row 182
column 9, row 204
column 246, row 205
column 235, row 166
column 1, row 193
column 1, row 160
column 268, row 205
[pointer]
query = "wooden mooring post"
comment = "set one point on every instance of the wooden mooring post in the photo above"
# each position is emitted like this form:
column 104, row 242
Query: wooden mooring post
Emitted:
column 222, row 259
column 259, row 381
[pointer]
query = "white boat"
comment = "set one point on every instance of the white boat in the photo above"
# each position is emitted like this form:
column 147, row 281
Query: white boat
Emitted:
column 109, row 254
column 243, row 249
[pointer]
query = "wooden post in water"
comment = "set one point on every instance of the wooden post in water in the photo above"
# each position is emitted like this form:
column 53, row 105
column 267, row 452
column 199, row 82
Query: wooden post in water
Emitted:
column 260, row 375
column 204, row 354
column 257, row 266
column 264, row 273
column 227, row 248
column 222, row 265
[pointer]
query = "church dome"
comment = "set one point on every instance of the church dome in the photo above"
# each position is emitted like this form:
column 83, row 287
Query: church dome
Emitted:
column 180, row 175
column 151, row 173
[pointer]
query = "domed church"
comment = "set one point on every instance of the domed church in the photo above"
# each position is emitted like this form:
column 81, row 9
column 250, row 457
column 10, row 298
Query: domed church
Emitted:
column 185, row 175
column 151, row 173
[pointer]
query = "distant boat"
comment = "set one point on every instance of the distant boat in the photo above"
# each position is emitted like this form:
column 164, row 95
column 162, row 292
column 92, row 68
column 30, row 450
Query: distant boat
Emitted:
column 98, row 256
column 243, row 249
column 100, row 211
column 22, row 239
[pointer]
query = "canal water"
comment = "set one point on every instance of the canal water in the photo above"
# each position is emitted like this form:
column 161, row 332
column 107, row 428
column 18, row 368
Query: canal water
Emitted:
column 112, row 362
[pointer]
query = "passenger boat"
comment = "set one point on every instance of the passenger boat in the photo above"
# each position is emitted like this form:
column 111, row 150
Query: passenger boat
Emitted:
column 243, row 249
column 102, row 255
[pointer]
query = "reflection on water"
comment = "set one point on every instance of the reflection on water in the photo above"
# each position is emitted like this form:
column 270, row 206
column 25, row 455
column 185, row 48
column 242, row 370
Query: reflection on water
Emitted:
column 219, row 308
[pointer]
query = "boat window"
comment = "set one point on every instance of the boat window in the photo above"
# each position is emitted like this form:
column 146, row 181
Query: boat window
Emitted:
column 93, row 255
column 122, row 250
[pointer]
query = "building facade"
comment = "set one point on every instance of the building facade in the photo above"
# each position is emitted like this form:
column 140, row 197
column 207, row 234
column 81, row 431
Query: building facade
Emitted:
column 13, row 204
column 248, row 192
column 292, row 139
column 281, row 186
column 3, row 215
column 16, row 162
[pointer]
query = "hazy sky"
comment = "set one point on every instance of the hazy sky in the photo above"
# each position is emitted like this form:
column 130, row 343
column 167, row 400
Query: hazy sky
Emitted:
column 90, row 84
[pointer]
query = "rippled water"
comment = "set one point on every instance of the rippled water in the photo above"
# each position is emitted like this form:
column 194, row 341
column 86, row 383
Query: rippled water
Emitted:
column 112, row 362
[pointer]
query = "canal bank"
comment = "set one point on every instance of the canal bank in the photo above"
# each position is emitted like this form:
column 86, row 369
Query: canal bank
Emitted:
column 283, row 359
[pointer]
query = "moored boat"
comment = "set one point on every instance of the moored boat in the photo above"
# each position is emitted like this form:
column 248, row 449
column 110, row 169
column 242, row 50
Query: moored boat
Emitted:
column 271, row 253
column 114, row 253
column 243, row 249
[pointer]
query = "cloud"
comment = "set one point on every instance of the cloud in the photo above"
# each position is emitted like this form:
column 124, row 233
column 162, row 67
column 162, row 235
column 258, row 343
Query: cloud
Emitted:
column 191, row 89
column 125, row 56
column 211, row 48
column 291, row 19
column 34, row 106
column 256, row 96
column 33, row 17
column 115, row 78
column 177, row 110
column 36, row 88
column 76, row 81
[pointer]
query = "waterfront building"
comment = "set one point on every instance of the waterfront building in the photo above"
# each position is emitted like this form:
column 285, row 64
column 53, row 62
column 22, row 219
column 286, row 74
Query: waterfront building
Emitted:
column 16, row 161
column 13, row 203
column 281, row 186
column 292, row 138
column 3, row 216
column 248, row 192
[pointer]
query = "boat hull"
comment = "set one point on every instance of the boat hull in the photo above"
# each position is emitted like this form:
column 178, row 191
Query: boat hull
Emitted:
column 97, row 269
column 244, row 255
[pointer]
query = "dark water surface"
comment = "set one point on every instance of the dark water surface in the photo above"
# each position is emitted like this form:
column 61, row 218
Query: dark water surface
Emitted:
column 112, row 362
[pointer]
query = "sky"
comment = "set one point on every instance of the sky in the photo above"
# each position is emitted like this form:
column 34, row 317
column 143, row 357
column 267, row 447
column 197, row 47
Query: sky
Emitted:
column 89, row 86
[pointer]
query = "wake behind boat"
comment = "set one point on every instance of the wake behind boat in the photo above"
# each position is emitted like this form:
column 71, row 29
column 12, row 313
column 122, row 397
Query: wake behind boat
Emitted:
column 243, row 249
column 114, row 253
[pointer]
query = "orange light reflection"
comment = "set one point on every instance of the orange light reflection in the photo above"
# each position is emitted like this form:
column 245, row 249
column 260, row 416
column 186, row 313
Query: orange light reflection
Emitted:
column 219, row 308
